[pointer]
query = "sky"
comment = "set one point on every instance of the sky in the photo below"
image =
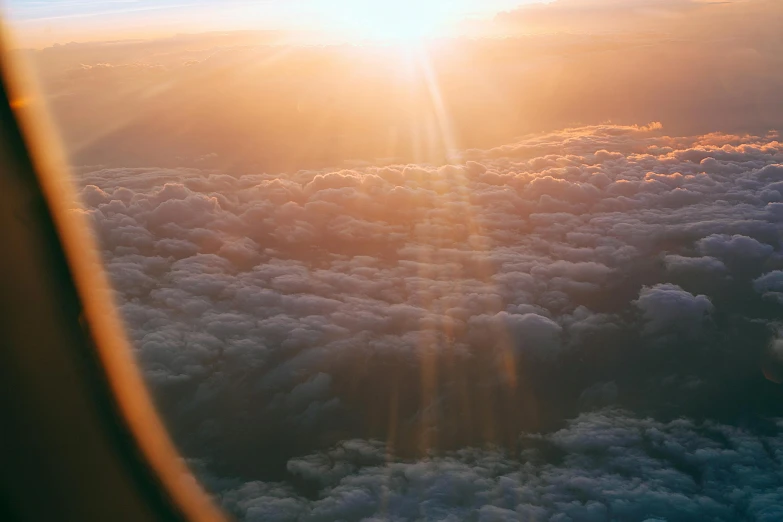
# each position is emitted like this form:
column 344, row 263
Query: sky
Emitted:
column 46, row 22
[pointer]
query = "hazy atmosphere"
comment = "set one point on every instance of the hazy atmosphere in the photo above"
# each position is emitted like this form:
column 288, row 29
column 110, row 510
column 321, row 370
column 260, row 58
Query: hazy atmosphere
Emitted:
column 435, row 261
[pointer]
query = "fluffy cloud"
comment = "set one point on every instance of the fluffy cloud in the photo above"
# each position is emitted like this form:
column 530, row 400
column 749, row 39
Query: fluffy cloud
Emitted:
column 770, row 285
column 741, row 251
column 438, row 308
column 694, row 265
column 525, row 333
column 667, row 307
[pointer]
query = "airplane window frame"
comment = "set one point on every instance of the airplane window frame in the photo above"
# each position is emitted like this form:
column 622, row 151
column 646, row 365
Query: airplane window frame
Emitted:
column 81, row 439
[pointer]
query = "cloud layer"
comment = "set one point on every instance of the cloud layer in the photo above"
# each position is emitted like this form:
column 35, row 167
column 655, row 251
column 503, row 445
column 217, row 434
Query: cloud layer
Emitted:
column 606, row 465
column 439, row 308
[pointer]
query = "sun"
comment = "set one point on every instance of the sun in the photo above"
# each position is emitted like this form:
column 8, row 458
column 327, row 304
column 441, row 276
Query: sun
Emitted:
column 402, row 21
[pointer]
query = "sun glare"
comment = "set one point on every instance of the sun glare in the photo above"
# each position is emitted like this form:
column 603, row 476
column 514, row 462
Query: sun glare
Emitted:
column 401, row 21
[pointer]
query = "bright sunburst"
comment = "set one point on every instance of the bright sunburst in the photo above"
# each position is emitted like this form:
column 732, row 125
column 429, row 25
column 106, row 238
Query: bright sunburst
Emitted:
column 391, row 20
